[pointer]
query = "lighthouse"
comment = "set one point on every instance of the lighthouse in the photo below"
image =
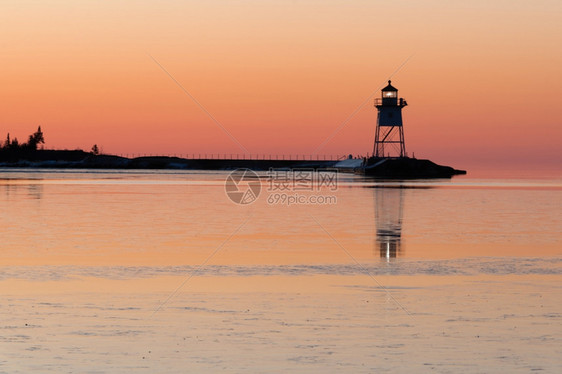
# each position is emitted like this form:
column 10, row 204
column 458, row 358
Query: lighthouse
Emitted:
column 389, row 135
column 389, row 160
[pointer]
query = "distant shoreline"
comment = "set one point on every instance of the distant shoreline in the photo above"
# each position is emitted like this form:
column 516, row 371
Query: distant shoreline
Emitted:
column 78, row 159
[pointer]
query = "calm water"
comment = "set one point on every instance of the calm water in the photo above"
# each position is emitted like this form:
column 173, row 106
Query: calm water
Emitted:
column 159, row 271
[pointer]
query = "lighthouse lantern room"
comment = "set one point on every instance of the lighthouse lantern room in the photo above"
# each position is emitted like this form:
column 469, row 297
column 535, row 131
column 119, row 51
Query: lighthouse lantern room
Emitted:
column 389, row 134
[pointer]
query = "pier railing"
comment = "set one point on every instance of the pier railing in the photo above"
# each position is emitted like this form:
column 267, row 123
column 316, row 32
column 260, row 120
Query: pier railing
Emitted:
column 239, row 156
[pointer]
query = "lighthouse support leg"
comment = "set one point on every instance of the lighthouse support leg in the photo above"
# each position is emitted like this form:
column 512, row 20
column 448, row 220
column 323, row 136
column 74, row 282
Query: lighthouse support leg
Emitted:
column 392, row 136
column 376, row 148
column 402, row 145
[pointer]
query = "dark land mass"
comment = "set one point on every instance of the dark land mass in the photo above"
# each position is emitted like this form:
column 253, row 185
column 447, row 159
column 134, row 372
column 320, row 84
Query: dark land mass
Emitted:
column 407, row 168
column 78, row 159
column 387, row 168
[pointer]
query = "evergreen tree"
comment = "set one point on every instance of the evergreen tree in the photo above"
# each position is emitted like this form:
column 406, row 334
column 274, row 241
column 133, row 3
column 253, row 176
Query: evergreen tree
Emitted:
column 95, row 150
column 8, row 142
column 35, row 139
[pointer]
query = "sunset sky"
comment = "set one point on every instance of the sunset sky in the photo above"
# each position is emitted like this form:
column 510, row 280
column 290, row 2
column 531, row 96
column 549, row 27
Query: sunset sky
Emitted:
column 483, row 79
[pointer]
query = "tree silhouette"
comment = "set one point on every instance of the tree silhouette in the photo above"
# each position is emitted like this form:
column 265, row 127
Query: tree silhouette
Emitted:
column 14, row 147
column 35, row 139
column 95, row 150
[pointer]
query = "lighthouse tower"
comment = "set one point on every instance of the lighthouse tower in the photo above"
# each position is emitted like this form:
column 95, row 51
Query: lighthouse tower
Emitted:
column 389, row 135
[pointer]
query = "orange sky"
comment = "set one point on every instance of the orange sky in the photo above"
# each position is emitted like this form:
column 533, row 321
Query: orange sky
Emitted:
column 483, row 82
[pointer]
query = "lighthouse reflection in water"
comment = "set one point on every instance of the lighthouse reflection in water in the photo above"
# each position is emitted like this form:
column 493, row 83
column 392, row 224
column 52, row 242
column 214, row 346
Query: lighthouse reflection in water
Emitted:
column 388, row 219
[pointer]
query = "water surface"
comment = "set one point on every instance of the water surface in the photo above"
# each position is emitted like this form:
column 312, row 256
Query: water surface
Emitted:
column 106, row 271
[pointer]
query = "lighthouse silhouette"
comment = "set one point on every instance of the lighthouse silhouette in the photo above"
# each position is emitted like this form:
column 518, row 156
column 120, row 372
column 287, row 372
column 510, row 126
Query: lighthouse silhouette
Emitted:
column 389, row 135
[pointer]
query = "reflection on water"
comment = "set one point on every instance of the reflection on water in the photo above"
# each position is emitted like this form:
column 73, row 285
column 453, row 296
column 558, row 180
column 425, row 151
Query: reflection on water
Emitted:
column 22, row 191
column 35, row 191
column 88, row 256
column 388, row 219
column 178, row 218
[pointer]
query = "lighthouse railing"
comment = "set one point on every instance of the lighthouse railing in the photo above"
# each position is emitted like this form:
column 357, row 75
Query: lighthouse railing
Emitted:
column 399, row 102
